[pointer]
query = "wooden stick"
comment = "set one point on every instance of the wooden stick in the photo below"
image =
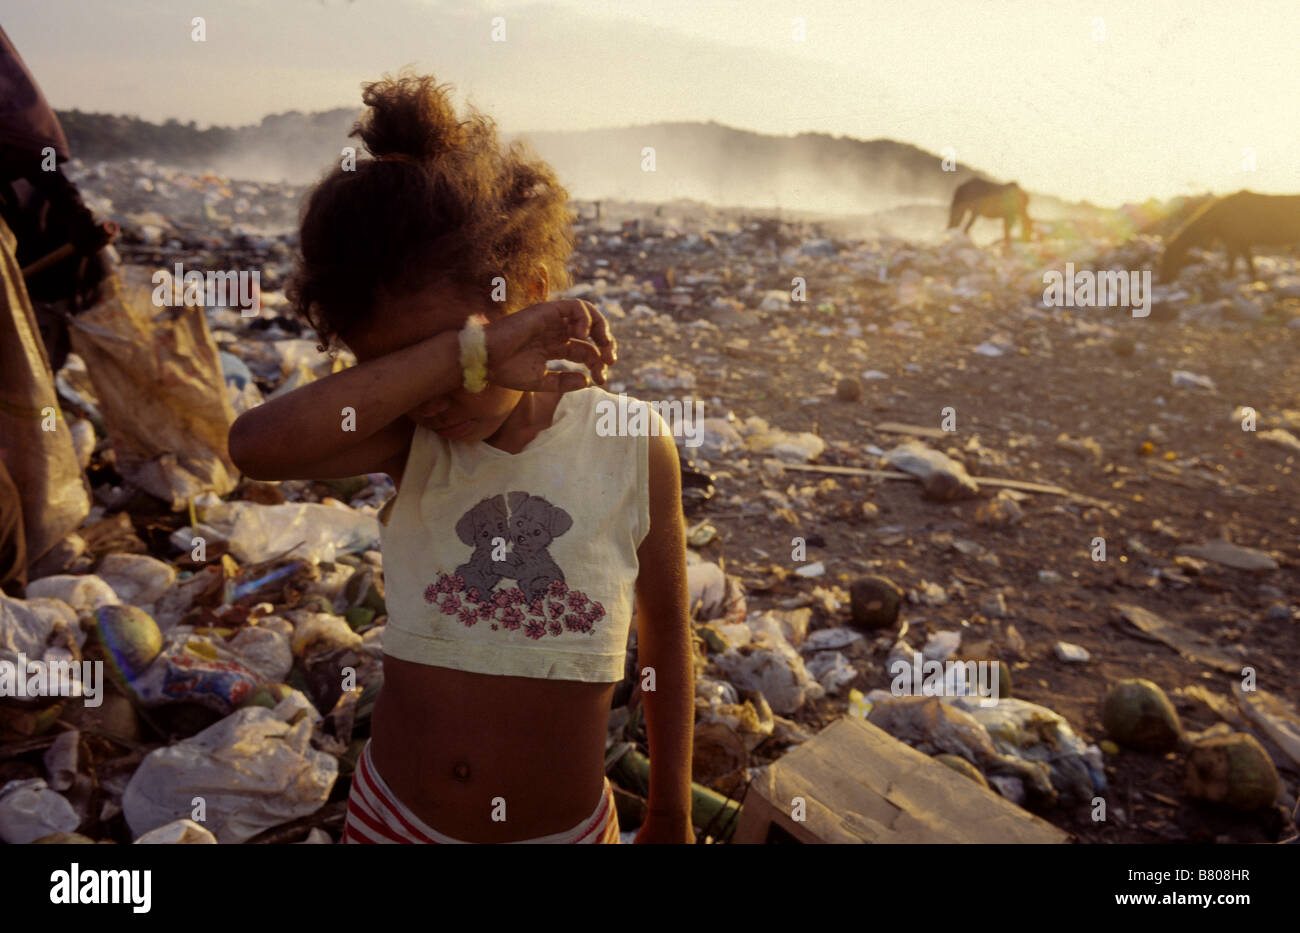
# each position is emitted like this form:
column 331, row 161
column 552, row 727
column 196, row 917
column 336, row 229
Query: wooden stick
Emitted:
column 896, row 474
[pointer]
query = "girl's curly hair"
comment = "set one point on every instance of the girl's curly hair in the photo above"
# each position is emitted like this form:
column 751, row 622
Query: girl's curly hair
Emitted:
column 450, row 205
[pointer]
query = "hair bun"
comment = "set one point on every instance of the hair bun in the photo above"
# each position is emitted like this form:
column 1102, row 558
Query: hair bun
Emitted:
column 410, row 115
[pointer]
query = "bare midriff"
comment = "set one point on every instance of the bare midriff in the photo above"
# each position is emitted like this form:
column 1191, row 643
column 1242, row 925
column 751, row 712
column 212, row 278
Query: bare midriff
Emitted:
column 458, row 747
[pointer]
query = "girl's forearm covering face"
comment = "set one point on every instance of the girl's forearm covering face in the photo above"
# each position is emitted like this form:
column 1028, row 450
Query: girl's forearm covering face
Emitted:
column 310, row 424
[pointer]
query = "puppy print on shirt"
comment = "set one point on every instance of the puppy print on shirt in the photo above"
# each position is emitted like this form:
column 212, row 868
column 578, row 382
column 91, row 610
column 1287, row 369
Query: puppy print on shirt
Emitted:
column 534, row 523
column 477, row 528
column 542, row 603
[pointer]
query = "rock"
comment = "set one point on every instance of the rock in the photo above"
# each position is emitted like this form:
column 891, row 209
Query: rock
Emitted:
column 1072, row 653
column 930, row 594
column 1085, row 447
column 1182, row 379
column 999, row 511
column 848, row 389
column 64, row 839
column 1229, row 555
column 1137, row 713
column 962, row 767
column 1233, row 770
column 874, row 603
column 994, row 606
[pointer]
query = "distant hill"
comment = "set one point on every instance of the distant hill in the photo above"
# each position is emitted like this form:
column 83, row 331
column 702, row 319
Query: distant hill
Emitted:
column 700, row 161
column 881, row 184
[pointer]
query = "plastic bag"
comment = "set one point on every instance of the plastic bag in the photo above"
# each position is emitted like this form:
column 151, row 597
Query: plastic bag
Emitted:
column 161, row 390
column 253, row 770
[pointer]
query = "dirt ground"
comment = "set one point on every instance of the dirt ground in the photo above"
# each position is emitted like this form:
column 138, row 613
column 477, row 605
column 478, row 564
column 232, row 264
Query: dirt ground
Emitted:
column 1089, row 373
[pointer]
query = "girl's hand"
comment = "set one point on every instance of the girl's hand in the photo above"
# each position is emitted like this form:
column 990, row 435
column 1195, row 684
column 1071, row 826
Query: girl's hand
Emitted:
column 659, row 829
column 519, row 344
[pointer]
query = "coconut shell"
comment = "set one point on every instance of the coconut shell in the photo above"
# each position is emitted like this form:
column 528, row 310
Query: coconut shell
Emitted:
column 1137, row 713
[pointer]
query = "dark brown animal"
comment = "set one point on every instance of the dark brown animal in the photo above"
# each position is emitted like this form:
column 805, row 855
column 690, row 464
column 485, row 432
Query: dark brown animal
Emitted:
column 982, row 198
column 1239, row 221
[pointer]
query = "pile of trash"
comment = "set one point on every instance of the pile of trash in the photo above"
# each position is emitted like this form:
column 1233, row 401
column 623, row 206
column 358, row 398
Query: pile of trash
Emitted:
column 824, row 542
column 203, row 220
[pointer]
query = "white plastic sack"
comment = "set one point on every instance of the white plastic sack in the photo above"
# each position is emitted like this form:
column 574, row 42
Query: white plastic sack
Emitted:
column 84, row 592
column 30, row 810
column 773, row 668
column 138, row 579
column 252, row 769
column 259, row 532
column 31, row 627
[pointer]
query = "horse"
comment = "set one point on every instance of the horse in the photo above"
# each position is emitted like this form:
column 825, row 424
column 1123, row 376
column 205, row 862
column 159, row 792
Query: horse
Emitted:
column 984, row 199
column 1239, row 221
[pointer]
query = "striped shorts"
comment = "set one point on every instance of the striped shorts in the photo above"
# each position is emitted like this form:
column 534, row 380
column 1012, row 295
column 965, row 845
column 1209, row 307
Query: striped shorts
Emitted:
column 375, row 815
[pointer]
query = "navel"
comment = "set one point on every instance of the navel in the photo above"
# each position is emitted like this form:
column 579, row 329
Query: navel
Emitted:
column 461, row 771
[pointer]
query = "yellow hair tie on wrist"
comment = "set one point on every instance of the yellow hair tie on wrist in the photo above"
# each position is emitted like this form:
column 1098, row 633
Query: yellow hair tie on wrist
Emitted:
column 473, row 353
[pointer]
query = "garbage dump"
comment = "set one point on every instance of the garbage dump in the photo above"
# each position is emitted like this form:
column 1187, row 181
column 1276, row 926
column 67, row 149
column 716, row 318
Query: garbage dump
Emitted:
column 920, row 451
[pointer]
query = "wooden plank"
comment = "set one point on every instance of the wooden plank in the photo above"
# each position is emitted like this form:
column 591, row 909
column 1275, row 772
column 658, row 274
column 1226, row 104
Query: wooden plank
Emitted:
column 915, row 430
column 860, row 785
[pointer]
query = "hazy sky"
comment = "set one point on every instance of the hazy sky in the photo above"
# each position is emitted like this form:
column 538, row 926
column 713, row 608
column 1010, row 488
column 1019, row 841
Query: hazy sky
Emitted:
column 1097, row 100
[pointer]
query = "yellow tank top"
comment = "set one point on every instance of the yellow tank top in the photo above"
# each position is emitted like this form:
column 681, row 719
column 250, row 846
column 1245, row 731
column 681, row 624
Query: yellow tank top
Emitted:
column 519, row 564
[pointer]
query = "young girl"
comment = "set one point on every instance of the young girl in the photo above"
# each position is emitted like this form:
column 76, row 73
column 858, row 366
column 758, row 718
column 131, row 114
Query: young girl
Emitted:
column 519, row 534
